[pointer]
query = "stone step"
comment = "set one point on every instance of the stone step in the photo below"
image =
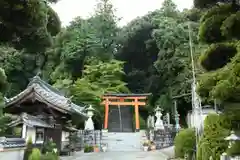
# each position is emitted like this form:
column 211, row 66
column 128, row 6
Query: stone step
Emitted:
column 123, row 141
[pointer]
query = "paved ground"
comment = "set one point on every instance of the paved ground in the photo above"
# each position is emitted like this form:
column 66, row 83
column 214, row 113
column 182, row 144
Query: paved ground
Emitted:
column 156, row 155
column 168, row 151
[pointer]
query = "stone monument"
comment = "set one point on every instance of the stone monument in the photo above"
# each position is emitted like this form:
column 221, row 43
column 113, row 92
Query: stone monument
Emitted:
column 150, row 121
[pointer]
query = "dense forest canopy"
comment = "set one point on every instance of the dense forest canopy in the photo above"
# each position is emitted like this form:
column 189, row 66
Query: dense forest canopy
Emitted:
column 94, row 56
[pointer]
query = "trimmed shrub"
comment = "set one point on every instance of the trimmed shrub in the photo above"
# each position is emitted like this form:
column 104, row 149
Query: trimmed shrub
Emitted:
column 230, row 27
column 212, row 143
column 218, row 55
column 209, row 30
column 36, row 154
column 88, row 149
column 205, row 84
column 185, row 142
column 50, row 156
column 224, row 9
column 48, row 146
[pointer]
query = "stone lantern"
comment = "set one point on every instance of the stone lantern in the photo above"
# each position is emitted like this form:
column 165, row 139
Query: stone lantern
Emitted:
column 89, row 125
column 159, row 123
column 232, row 138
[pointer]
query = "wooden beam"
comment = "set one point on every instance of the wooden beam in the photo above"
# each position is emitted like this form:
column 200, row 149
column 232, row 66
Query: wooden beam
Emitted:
column 51, row 111
column 114, row 97
column 183, row 95
column 125, row 103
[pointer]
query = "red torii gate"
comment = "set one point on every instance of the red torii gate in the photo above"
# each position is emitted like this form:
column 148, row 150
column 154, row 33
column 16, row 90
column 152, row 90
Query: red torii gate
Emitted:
column 135, row 100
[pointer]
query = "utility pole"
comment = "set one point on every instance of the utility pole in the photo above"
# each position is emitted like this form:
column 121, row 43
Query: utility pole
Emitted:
column 196, row 103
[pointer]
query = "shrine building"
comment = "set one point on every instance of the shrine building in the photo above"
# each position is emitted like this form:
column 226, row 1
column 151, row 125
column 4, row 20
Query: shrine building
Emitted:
column 43, row 113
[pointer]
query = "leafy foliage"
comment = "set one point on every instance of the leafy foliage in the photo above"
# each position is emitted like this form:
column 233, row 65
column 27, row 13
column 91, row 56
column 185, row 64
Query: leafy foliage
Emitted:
column 185, row 142
column 49, row 156
column 28, row 150
column 36, row 154
column 218, row 24
column 210, row 30
column 212, row 143
column 230, row 25
column 155, row 49
column 210, row 3
column 48, row 146
column 218, row 55
column 99, row 78
column 223, row 9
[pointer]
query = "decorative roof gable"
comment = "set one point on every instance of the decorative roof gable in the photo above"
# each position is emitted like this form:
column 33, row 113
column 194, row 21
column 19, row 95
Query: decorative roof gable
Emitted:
column 45, row 93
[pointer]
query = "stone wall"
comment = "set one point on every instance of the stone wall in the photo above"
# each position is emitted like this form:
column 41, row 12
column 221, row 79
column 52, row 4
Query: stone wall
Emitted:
column 12, row 154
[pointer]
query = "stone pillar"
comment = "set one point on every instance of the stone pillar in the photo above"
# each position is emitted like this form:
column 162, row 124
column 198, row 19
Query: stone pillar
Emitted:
column 89, row 125
column 168, row 119
column 159, row 123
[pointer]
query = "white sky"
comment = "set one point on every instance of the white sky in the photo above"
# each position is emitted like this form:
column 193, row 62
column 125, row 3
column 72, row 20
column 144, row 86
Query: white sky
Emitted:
column 126, row 9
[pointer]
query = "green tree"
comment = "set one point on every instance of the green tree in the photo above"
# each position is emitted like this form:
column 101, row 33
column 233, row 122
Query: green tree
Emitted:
column 27, row 28
column 173, row 64
column 99, row 78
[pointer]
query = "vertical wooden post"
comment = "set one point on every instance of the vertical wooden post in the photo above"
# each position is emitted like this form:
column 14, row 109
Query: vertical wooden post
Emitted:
column 136, row 114
column 106, row 114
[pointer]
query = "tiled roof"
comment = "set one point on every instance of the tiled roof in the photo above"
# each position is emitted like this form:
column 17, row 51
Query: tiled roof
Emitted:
column 31, row 121
column 45, row 93
column 8, row 143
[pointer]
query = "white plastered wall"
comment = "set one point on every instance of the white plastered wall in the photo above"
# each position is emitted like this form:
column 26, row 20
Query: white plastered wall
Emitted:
column 65, row 136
